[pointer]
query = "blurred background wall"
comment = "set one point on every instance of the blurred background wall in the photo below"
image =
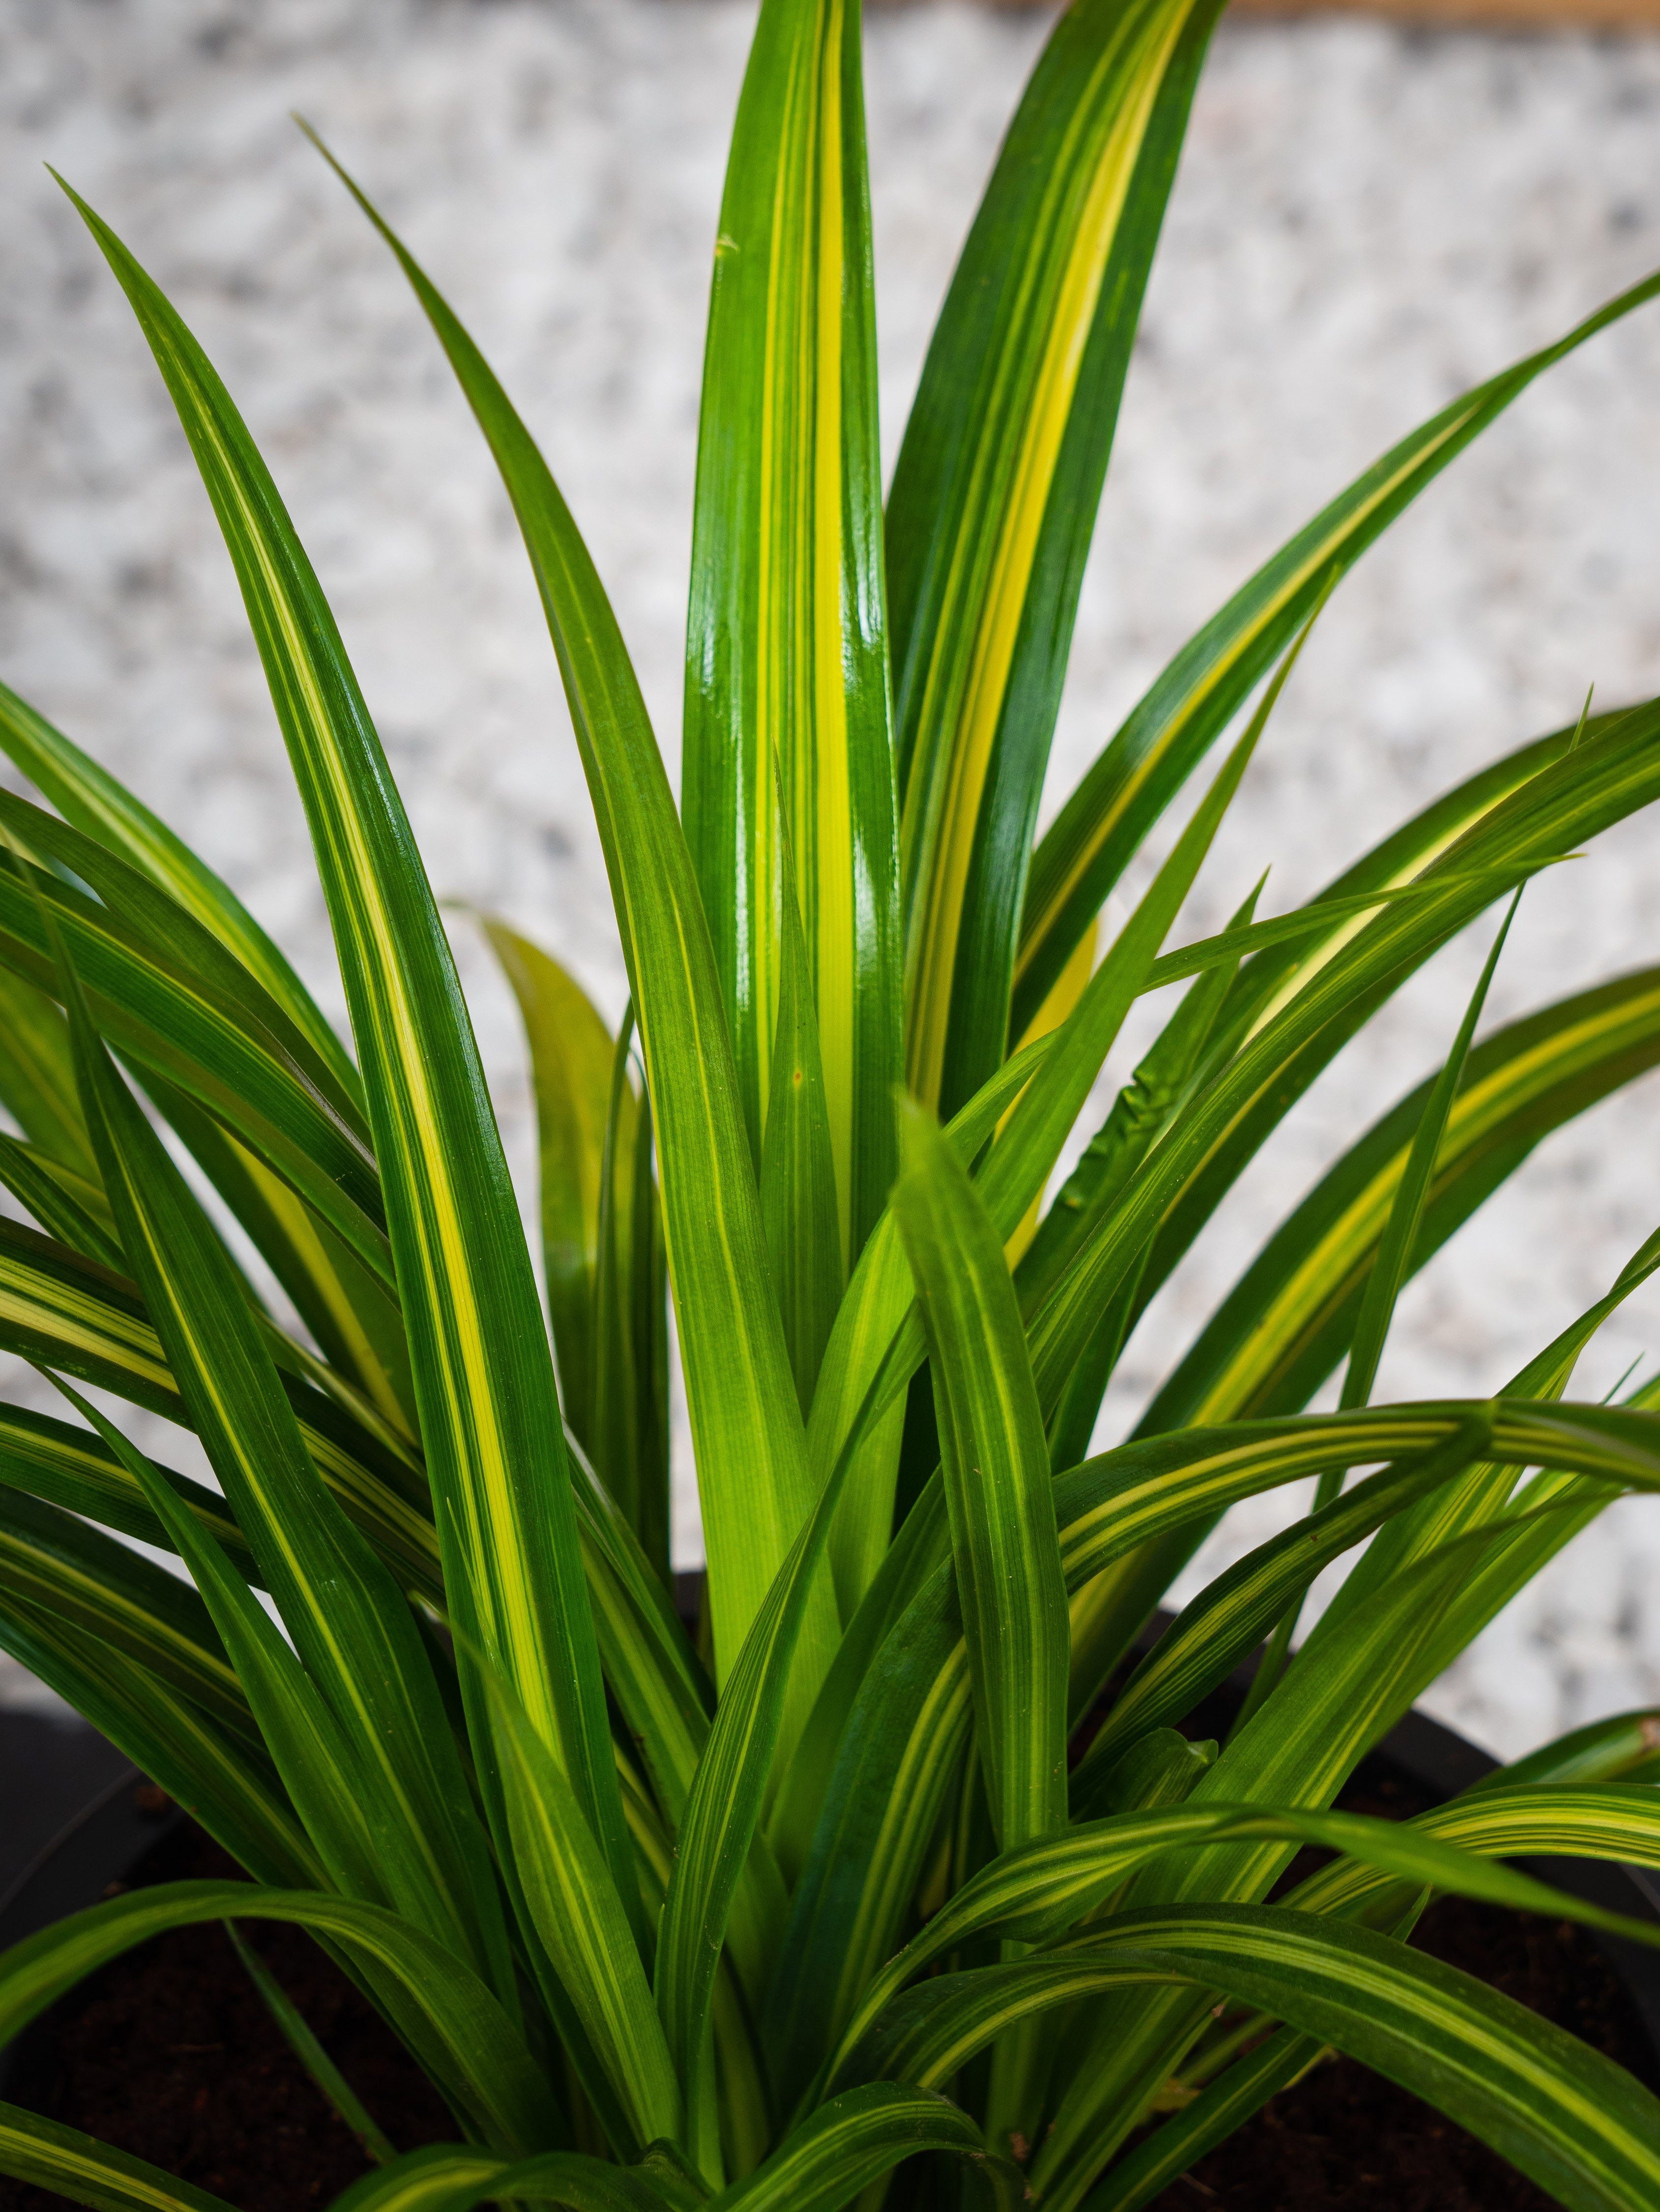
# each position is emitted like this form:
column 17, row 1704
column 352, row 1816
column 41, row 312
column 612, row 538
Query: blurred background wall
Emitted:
column 1368, row 218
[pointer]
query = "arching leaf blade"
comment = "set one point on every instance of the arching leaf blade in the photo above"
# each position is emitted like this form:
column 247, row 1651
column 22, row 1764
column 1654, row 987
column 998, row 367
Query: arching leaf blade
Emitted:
column 904, row 1721
column 484, row 1379
column 52, row 2156
column 848, row 2143
column 1086, row 848
column 1046, row 1887
column 68, row 1314
column 452, row 2024
column 1568, row 2118
column 352, row 1314
column 191, row 1032
column 94, row 801
column 1215, row 1633
column 95, row 1586
column 1308, row 1020
column 237, row 1797
column 74, row 1468
column 1283, row 1329
column 352, row 1629
column 29, row 1178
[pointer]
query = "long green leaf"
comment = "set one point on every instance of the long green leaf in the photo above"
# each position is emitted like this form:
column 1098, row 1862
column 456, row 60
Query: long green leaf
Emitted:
column 351, row 1626
column 169, row 936
column 1037, row 1125
column 786, row 653
column 1284, row 1327
column 37, row 1074
column 1266, row 983
column 237, row 1799
column 484, row 1379
column 798, row 1205
column 352, row 1314
column 1485, row 1491
column 1244, row 937
column 90, row 798
column 570, row 1053
column 998, row 1494
column 68, row 1314
column 1138, row 1112
column 1311, row 1016
column 26, row 1175
column 878, row 1306
column 1394, row 1246
column 1611, row 1821
column 1087, row 848
column 1624, row 1746
column 437, row 2178
column 746, row 1424
column 723, row 1808
column 307, row 2047
column 210, row 1040
column 1297, row 1749
column 1043, row 1088
column 166, row 1733
column 995, row 495
column 581, row 1920
column 364, row 1851
column 1227, row 1621
column 1158, row 1086
column 74, row 1468
column 93, row 1584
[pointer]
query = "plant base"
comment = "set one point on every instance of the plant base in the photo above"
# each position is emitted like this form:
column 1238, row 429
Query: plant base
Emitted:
column 170, row 2053
column 1344, row 2140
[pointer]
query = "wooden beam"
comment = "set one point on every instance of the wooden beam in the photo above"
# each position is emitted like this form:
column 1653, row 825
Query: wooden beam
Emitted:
column 1450, row 15
column 1479, row 14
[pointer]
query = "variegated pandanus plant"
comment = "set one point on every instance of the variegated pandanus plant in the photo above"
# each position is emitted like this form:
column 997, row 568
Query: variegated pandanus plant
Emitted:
column 900, row 1875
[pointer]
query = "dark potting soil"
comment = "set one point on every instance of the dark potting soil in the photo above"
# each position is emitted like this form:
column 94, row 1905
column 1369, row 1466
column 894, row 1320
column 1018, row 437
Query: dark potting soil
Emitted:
column 1344, row 2140
column 171, row 2054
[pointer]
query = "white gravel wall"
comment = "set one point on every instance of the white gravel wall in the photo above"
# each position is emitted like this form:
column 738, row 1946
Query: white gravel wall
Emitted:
column 1367, row 220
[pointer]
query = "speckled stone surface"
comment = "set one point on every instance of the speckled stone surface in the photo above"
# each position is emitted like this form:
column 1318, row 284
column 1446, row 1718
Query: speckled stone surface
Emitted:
column 1367, row 220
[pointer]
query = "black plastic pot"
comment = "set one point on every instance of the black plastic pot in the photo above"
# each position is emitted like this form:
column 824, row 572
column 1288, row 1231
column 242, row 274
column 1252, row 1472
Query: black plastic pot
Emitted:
column 52, row 1767
column 98, row 1816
